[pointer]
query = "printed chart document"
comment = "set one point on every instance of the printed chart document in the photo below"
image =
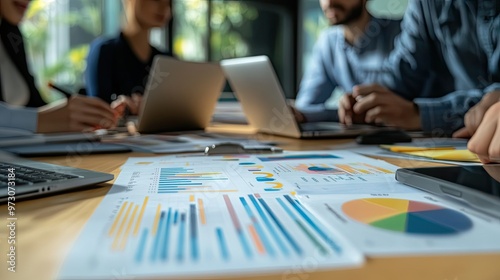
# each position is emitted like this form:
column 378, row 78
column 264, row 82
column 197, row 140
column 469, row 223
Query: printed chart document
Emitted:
column 406, row 224
column 181, row 216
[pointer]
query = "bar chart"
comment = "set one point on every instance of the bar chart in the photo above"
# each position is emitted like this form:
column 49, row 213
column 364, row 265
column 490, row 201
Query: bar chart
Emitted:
column 178, row 179
column 172, row 231
column 185, row 234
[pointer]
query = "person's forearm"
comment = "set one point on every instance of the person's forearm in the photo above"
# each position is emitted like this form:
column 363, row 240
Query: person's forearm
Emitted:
column 21, row 118
column 443, row 116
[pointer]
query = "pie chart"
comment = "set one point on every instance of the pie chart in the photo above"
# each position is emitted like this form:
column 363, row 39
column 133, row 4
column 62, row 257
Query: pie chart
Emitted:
column 407, row 216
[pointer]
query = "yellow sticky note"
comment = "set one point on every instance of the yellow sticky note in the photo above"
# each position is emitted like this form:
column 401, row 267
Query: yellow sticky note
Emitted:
column 452, row 155
column 404, row 149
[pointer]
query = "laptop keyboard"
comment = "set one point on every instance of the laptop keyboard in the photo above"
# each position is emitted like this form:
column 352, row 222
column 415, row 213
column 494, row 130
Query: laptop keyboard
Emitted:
column 29, row 176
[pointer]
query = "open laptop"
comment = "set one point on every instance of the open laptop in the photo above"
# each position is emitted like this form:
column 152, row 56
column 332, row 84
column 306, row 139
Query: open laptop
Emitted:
column 263, row 101
column 179, row 95
column 33, row 178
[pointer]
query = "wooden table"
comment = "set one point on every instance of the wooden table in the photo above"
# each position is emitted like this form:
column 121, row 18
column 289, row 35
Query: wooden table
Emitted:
column 48, row 227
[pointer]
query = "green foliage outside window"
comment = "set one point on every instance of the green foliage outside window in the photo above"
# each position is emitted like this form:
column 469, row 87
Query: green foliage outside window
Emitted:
column 69, row 66
column 229, row 25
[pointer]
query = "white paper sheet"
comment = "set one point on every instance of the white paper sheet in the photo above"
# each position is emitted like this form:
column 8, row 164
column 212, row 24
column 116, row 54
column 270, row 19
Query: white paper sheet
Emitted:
column 181, row 216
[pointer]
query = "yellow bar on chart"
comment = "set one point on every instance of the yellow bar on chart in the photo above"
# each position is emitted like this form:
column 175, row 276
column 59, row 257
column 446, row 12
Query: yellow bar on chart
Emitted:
column 117, row 218
column 122, row 225
column 347, row 168
column 201, row 209
column 157, row 219
column 141, row 214
column 129, row 228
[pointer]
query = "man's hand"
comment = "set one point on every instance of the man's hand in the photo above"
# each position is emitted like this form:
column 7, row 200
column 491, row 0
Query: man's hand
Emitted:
column 486, row 140
column 475, row 115
column 299, row 116
column 77, row 114
column 382, row 106
column 346, row 113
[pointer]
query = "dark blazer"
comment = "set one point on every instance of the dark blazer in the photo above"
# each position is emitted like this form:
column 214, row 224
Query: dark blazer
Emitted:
column 13, row 42
column 113, row 68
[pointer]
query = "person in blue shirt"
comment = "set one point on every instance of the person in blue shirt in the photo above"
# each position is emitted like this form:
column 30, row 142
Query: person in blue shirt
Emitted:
column 118, row 68
column 456, row 43
column 21, row 106
column 344, row 57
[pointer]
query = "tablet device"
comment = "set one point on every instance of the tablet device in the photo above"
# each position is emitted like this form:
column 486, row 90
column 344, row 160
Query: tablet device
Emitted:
column 478, row 186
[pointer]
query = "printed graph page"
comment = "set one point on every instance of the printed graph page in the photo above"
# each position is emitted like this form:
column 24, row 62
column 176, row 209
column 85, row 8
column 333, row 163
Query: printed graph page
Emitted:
column 311, row 172
column 406, row 224
column 188, row 216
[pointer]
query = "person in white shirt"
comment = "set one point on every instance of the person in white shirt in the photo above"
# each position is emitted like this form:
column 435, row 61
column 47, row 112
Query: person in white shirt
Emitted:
column 21, row 106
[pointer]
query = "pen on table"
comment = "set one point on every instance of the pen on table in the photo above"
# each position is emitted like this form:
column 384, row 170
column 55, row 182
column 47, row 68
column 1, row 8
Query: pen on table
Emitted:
column 236, row 148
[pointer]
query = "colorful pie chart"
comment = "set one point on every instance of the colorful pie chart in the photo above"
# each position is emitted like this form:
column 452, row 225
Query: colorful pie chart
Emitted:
column 407, row 216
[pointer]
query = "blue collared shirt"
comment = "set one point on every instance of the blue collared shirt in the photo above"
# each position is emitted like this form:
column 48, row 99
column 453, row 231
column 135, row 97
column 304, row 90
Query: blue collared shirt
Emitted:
column 456, row 43
column 336, row 63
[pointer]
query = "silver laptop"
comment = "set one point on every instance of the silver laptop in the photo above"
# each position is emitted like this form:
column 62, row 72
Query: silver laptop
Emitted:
column 263, row 101
column 179, row 95
column 21, row 178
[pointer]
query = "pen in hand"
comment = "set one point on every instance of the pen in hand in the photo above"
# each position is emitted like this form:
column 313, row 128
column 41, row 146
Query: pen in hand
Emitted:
column 66, row 93
column 69, row 95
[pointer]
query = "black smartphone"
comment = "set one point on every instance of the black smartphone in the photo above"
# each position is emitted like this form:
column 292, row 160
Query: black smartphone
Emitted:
column 478, row 186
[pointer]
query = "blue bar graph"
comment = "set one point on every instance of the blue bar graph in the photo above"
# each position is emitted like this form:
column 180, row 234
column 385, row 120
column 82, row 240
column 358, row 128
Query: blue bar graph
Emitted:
column 282, row 228
column 308, row 219
column 180, row 245
column 237, row 226
column 222, row 244
column 142, row 245
column 181, row 179
column 165, row 239
column 258, row 227
column 194, row 232
column 253, row 226
column 264, row 218
column 158, row 236
column 304, row 229
column 176, row 215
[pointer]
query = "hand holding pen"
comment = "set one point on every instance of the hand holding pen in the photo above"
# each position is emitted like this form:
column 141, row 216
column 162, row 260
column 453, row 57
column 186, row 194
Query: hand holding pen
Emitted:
column 77, row 113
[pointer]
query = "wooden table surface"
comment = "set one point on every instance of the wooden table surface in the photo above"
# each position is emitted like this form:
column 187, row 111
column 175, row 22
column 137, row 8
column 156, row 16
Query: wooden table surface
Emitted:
column 48, row 227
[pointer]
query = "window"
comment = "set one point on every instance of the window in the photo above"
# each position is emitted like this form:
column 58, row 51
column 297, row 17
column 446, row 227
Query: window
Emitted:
column 58, row 35
column 218, row 29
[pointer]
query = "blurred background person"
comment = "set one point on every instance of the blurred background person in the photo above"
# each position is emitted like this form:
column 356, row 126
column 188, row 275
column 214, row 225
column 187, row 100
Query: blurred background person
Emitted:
column 118, row 68
column 344, row 57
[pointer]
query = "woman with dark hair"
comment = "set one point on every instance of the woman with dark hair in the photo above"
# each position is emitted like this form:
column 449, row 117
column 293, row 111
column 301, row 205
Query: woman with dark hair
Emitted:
column 21, row 105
